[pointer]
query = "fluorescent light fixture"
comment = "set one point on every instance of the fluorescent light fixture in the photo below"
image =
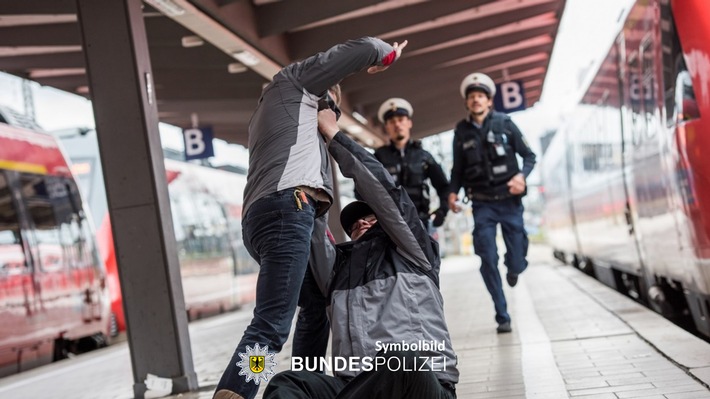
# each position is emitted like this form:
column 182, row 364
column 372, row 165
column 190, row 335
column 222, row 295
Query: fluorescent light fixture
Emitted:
column 167, row 7
column 236, row 67
column 245, row 58
column 192, row 41
column 354, row 129
column 359, row 118
column 54, row 72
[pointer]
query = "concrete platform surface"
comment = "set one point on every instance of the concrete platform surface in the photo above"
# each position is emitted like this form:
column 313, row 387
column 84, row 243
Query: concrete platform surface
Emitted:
column 572, row 338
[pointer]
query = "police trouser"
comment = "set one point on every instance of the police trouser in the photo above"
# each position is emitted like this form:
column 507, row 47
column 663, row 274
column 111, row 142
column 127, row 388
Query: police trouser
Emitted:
column 486, row 217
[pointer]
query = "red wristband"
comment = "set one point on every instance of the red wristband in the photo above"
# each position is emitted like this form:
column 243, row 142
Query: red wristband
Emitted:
column 389, row 58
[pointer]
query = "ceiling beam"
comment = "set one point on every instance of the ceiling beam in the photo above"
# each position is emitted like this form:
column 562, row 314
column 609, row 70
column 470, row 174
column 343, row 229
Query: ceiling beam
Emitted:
column 240, row 18
column 37, row 7
column 232, row 104
column 183, row 118
column 195, row 58
column 173, row 93
column 279, row 17
column 68, row 83
column 53, row 60
column 480, row 24
column 433, row 58
column 60, row 34
column 216, row 78
column 307, row 42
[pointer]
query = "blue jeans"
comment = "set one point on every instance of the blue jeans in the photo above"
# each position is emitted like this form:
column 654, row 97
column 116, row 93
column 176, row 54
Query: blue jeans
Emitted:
column 310, row 339
column 486, row 217
column 277, row 235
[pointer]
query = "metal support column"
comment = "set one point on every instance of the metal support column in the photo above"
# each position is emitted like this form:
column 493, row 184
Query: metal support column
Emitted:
column 122, row 91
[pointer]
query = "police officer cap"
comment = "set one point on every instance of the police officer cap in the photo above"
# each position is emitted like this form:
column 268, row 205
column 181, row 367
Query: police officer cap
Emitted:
column 478, row 81
column 352, row 213
column 394, row 106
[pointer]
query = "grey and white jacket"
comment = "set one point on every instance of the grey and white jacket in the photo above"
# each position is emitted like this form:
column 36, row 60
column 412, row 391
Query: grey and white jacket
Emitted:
column 285, row 148
column 385, row 285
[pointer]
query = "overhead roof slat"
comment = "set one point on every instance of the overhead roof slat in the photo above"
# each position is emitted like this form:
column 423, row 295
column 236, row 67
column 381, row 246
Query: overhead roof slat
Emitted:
column 448, row 40
column 282, row 16
column 311, row 41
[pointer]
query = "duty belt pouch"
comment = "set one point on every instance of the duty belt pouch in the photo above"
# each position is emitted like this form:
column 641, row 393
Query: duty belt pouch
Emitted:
column 472, row 151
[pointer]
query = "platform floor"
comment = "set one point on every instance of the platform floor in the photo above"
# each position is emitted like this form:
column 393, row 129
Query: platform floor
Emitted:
column 572, row 338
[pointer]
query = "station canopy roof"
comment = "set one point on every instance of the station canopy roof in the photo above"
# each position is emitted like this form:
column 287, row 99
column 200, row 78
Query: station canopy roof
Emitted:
column 212, row 57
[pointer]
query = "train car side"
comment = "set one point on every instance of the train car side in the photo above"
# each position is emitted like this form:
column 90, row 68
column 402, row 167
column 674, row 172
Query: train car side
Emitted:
column 639, row 189
column 53, row 296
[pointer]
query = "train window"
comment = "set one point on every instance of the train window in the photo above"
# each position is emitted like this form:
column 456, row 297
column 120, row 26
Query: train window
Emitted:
column 648, row 84
column 636, row 94
column 79, row 233
column 686, row 107
column 56, row 217
column 13, row 257
column 670, row 49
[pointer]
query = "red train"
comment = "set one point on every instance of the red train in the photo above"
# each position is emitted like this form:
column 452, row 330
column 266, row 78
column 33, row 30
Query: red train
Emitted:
column 53, row 294
column 627, row 178
column 217, row 272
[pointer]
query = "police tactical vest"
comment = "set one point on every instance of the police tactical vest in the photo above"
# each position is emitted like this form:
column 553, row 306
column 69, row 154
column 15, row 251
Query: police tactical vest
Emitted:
column 489, row 158
column 409, row 172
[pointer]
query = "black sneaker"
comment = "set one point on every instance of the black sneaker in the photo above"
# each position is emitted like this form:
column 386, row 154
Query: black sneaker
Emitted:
column 504, row 328
column 512, row 279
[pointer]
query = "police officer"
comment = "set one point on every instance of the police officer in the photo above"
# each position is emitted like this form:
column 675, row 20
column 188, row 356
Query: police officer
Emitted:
column 408, row 163
column 485, row 165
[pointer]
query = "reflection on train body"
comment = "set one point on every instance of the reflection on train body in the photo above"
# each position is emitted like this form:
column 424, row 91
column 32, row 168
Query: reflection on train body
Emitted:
column 53, row 295
column 627, row 177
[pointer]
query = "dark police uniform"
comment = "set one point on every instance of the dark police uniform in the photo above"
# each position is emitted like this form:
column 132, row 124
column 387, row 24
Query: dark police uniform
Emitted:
column 410, row 169
column 484, row 161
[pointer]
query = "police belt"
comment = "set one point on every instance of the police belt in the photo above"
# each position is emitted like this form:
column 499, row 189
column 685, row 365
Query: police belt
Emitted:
column 488, row 197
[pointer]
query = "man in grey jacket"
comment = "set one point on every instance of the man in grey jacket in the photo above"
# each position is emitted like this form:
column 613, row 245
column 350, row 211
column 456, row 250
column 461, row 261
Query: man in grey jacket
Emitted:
column 289, row 186
column 385, row 307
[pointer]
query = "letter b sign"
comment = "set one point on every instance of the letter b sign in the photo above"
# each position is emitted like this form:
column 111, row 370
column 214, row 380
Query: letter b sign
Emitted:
column 510, row 97
column 198, row 143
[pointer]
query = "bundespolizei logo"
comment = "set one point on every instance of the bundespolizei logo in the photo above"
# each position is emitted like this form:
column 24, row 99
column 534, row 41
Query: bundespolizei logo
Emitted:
column 257, row 364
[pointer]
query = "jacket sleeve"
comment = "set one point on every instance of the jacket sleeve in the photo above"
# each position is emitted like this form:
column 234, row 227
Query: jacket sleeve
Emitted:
column 438, row 180
column 324, row 70
column 522, row 148
column 457, row 168
column 396, row 213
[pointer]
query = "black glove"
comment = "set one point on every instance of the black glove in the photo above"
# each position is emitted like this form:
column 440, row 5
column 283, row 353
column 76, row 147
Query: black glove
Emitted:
column 439, row 216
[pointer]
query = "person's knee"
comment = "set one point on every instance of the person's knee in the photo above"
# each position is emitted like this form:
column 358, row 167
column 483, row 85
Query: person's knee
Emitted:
column 488, row 265
column 282, row 384
column 285, row 378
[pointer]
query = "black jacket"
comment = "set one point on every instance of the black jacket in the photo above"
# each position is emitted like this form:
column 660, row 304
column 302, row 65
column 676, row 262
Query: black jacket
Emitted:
column 411, row 171
column 485, row 158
